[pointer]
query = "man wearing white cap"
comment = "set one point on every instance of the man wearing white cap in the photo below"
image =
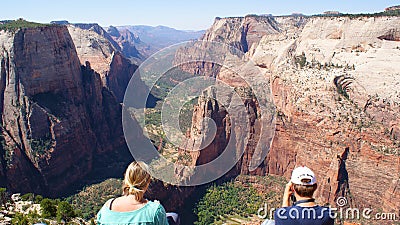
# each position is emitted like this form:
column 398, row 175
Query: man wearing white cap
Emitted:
column 305, row 211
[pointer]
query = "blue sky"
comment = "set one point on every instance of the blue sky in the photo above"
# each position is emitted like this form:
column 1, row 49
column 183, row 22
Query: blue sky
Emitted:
column 180, row 14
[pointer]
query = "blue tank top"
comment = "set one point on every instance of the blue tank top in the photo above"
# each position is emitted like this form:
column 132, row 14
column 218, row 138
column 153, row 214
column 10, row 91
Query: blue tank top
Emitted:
column 152, row 213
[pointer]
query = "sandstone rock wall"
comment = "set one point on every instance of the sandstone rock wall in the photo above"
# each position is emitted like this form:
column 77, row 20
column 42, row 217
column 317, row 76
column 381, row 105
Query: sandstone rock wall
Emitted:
column 131, row 45
column 347, row 134
column 56, row 116
column 98, row 30
column 94, row 45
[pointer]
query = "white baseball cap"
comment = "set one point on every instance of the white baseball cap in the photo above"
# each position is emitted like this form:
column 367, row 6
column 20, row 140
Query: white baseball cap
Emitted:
column 301, row 173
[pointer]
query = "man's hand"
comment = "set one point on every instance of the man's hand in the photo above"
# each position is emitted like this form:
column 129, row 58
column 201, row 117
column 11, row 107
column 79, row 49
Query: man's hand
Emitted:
column 286, row 194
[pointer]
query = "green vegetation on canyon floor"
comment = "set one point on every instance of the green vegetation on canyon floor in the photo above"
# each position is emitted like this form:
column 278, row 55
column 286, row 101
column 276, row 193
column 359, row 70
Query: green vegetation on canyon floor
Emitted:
column 90, row 200
column 239, row 200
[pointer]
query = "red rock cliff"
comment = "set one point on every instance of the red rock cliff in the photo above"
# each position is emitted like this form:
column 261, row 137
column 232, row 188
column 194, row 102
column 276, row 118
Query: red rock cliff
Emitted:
column 344, row 133
column 56, row 116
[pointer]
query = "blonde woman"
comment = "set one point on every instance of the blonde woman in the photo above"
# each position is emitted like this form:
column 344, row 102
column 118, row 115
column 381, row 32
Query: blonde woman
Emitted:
column 132, row 207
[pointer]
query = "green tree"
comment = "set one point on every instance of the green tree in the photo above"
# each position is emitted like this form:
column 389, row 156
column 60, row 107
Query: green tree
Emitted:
column 38, row 199
column 27, row 197
column 20, row 219
column 48, row 208
column 33, row 217
column 4, row 196
column 65, row 211
column 301, row 60
column 92, row 222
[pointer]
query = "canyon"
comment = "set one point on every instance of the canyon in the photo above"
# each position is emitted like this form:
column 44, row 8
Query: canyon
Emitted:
column 334, row 83
column 61, row 93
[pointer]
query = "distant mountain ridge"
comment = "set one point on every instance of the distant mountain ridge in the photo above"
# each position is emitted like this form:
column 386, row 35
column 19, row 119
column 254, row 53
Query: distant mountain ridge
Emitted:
column 137, row 42
column 162, row 36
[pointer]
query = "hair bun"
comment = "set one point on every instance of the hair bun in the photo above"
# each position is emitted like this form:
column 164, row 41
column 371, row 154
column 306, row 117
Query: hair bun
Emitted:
column 133, row 189
column 136, row 179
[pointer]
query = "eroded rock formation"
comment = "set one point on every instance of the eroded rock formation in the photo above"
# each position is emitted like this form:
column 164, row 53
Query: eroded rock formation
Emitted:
column 57, row 117
column 95, row 45
column 345, row 129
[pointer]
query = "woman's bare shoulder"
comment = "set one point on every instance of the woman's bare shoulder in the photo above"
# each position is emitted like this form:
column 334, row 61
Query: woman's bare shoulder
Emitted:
column 108, row 202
